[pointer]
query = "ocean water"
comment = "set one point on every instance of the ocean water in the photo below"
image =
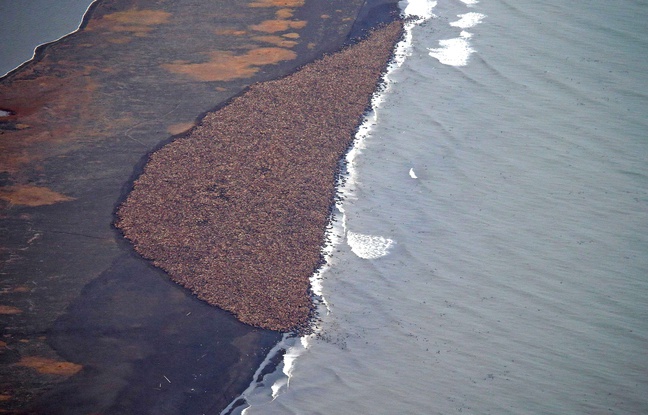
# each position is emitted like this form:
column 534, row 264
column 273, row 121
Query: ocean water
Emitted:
column 492, row 251
column 26, row 24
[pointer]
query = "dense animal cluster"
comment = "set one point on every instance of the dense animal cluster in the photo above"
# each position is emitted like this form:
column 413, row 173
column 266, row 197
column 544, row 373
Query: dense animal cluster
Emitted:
column 236, row 211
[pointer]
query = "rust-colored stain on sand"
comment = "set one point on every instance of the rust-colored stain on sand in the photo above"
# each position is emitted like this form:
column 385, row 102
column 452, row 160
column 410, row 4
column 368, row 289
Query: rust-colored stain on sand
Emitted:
column 138, row 22
column 284, row 13
column 16, row 289
column 50, row 366
column 45, row 104
column 6, row 309
column 279, row 25
column 225, row 65
column 277, row 3
column 28, row 195
column 180, row 127
column 276, row 40
column 230, row 32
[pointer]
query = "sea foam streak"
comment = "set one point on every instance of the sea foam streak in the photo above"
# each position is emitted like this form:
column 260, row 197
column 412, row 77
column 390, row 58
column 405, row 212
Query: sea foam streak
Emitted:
column 259, row 394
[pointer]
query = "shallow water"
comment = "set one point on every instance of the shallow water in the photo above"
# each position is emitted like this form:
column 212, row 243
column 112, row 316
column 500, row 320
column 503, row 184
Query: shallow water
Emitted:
column 508, row 167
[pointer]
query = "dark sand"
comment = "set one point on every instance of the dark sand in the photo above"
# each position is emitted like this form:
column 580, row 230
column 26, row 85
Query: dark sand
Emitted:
column 88, row 326
column 237, row 210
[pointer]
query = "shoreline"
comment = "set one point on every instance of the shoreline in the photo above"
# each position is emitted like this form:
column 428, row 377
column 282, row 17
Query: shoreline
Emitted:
column 87, row 325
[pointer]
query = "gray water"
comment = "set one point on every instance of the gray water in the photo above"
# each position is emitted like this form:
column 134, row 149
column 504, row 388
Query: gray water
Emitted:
column 518, row 279
column 26, row 24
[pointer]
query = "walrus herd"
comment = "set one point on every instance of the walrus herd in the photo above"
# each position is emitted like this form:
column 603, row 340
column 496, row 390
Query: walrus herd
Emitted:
column 236, row 210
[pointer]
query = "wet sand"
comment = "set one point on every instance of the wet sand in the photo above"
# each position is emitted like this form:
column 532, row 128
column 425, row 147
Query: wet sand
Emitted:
column 87, row 324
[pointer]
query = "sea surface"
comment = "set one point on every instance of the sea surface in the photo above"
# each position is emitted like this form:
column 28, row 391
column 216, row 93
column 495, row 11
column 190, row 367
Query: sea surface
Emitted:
column 491, row 249
column 26, row 24
column 493, row 243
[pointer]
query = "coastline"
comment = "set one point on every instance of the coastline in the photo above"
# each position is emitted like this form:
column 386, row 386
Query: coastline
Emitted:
column 87, row 325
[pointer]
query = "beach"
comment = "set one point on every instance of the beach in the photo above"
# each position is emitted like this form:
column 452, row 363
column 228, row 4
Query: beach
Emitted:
column 88, row 324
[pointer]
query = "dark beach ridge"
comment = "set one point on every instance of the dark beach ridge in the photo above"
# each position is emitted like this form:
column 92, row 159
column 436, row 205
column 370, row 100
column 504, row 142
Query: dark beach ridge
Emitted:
column 88, row 326
column 237, row 210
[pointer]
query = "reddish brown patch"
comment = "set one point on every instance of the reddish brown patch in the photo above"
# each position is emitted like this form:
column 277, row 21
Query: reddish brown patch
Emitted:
column 5, row 397
column 138, row 22
column 276, row 40
column 16, row 289
column 279, row 25
column 50, row 366
column 284, row 13
column 230, row 32
column 277, row 3
column 180, row 127
column 7, row 309
column 27, row 195
column 225, row 65
column 43, row 106
column 291, row 35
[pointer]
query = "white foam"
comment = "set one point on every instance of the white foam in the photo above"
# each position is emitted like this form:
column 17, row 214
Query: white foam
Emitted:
column 254, row 387
column 468, row 20
column 470, row 2
column 368, row 246
column 412, row 174
column 418, row 8
column 453, row 52
column 457, row 51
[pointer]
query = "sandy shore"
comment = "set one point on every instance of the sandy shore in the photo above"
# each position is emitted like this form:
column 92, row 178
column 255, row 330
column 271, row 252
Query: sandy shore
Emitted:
column 88, row 326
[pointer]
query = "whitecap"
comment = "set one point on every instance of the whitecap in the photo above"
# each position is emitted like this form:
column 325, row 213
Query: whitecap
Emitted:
column 368, row 246
column 419, row 8
column 467, row 20
column 453, row 52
